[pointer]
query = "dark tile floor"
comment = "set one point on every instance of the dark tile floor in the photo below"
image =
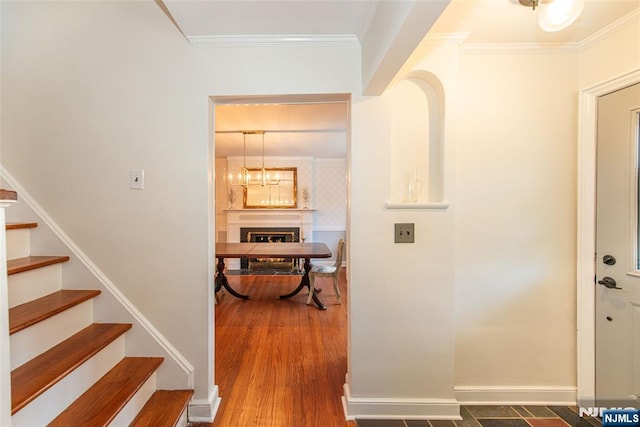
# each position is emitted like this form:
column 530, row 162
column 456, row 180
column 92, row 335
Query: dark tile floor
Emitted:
column 500, row 416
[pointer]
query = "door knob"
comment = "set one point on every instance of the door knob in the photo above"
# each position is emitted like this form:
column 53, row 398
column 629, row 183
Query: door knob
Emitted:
column 609, row 259
column 609, row 282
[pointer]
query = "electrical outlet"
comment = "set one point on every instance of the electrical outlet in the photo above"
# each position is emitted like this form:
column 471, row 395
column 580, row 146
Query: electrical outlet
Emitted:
column 404, row 232
column 136, row 179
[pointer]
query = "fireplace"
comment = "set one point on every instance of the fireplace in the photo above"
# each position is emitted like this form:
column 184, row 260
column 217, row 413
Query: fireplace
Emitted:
column 269, row 235
column 300, row 220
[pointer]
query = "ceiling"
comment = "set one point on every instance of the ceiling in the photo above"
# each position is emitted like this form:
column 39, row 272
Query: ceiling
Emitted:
column 486, row 21
column 316, row 129
column 506, row 21
column 267, row 17
column 296, row 128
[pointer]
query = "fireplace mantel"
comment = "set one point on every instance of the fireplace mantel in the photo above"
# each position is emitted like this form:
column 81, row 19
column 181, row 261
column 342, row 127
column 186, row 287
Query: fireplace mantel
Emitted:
column 238, row 218
column 269, row 210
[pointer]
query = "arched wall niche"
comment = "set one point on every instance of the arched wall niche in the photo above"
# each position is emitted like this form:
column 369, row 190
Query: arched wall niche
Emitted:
column 417, row 142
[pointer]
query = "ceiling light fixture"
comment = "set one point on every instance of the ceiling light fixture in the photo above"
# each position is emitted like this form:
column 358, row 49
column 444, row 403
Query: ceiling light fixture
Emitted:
column 555, row 15
column 530, row 3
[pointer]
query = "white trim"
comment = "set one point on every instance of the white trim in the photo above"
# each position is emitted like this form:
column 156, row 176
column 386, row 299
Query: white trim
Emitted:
column 516, row 395
column 529, row 48
column 457, row 38
column 416, row 205
column 398, row 408
column 204, row 411
column 183, row 363
column 300, row 98
column 586, row 227
column 518, row 48
column 5, row 358
column 274, row 159
column 268, row 210
column 365, row 25
column 608, row 30
column 234, row 41
column 632, row 265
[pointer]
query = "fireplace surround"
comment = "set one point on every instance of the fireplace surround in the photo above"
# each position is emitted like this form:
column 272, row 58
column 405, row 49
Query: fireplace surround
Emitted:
column 269, row 235
column 266, row 219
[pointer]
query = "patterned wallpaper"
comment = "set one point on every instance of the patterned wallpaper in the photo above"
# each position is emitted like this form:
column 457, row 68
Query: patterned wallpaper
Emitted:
column 325, row 178
column 330, row 194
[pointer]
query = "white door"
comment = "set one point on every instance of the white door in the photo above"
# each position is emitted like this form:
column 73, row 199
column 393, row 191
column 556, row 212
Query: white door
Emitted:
column 617, row 254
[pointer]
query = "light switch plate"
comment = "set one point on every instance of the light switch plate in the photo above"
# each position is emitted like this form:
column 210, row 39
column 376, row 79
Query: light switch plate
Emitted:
column 404, row 232
column 136, row 180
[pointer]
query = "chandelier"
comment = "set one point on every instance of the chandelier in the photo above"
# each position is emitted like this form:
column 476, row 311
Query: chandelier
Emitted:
column 246, row 179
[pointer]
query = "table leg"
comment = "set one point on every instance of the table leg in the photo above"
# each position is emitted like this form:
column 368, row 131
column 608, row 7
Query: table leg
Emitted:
column 304, row 282
column 221, row 281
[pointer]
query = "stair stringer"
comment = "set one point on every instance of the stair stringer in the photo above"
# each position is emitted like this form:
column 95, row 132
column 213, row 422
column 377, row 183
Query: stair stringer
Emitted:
column 113, row 306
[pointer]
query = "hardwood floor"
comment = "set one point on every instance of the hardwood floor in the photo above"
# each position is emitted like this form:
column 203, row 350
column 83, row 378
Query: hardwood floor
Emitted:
column 280, row 363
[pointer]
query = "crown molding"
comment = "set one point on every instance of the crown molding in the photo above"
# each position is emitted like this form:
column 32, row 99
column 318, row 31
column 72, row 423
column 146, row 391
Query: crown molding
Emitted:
column 331, row 40
column 543, row 48
column 527, row 48
column 365, row 25
column 457, row 38
column 609, row 29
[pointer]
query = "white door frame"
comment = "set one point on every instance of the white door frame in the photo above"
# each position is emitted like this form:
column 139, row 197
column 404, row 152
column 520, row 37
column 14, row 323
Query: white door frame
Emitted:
column 586, row 221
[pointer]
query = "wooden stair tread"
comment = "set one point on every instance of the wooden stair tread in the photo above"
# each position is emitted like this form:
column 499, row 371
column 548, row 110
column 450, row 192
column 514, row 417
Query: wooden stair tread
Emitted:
column 102, row 402
column 163, row 409
column 24, row 315
column 8, row 194
column 33, row 378
column 19, row 265
column 18, row 225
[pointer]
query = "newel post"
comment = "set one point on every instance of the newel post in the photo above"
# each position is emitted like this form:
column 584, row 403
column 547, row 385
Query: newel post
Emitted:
column 7, row 198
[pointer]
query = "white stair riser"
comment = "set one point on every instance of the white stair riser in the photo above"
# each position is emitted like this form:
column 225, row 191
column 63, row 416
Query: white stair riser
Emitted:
column 36, row 339
column 18, row 243
column 131, row 409
column 48, row 405
column 32, row 284
column 182, row 422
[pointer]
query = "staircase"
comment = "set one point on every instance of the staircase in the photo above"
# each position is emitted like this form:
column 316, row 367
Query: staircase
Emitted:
column 67, row 370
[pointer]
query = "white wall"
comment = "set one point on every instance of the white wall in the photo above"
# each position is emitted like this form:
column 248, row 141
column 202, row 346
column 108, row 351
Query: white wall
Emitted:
column 402, row 357
column 135, row 95
column 614, row 54
column 99, row 88
column 118, row 98
column 516, row 179
column 609, row 63
column 515, row 222
column 92, row 90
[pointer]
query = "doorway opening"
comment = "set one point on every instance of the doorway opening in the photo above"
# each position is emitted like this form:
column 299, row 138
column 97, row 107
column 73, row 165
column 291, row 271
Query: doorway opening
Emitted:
column 308, row 133
column 586, row 233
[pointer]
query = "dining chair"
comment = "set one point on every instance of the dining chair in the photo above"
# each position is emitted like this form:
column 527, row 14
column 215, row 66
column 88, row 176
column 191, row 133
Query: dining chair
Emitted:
column 327, row 271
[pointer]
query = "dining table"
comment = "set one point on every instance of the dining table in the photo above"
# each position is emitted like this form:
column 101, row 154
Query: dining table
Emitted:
column 293, row 250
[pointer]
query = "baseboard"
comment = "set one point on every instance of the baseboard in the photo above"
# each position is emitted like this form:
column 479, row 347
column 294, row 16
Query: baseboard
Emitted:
column 398, row 408
column 516, row 395
column 204, row 411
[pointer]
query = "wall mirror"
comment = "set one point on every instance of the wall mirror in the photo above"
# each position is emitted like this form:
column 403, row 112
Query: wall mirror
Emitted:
column 277, row 189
